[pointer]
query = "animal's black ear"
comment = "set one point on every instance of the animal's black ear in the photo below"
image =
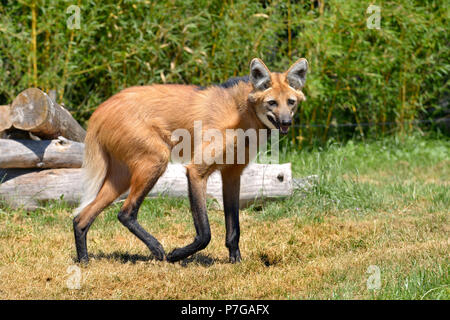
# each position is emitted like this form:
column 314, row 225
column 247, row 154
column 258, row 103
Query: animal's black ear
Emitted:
column 296, row 75
column 259, row 75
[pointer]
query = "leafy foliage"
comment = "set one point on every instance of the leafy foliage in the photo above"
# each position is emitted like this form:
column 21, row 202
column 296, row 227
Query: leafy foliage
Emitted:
column 357, row 74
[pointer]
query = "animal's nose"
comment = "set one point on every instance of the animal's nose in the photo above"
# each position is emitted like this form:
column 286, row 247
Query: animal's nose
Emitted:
column 285, row 122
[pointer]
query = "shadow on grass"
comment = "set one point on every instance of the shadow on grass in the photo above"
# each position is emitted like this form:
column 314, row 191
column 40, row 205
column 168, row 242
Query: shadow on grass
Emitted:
column 201, row 259
column 123, row 257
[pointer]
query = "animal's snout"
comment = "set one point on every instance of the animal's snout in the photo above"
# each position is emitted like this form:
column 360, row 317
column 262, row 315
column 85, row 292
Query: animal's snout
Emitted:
column 285, row 123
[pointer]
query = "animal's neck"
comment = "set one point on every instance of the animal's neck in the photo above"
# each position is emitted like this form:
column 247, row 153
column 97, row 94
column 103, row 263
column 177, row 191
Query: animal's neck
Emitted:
column 248, row 117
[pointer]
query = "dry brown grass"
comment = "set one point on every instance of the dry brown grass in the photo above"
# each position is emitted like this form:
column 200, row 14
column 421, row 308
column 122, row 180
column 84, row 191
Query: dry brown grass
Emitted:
column 392, row 214
column 283, row 259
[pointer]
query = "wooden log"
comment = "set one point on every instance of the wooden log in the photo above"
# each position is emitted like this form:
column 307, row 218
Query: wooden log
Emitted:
column 258, row 181
column 28, row 189
column 5, row 119
column 33, row 110
column 31, row 189
column 261, row 182
column 59, row 153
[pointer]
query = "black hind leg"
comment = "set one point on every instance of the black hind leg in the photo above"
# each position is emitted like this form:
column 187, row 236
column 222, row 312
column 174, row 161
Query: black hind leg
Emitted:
column 142, row 182
column 80, row 241
column 129, row 219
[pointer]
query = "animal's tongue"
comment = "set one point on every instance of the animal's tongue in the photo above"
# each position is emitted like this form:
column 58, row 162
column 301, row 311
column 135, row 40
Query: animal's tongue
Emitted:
column 284, row 129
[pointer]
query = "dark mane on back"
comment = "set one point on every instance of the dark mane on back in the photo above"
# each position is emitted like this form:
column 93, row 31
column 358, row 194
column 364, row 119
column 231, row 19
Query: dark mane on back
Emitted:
column 234, row 81
column 229, row 83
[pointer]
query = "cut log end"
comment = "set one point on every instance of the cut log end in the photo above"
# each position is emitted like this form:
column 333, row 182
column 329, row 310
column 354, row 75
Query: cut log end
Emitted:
column 30, row 109
column 34, row 111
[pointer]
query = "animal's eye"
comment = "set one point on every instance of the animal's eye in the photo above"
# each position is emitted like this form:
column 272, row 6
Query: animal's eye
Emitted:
column 272, row 103
column 291, row 102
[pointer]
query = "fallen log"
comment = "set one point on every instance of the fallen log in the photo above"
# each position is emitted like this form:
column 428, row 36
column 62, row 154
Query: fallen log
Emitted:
column 30, row 188
column 33, row 110
column 59, row 153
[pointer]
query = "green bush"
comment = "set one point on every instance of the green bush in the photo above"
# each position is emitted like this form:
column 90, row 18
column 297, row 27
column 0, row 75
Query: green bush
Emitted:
column 357, row 75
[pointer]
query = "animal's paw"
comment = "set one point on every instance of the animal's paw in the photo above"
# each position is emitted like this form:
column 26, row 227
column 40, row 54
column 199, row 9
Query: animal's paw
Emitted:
column 174, row 255
column 84, row 260
column 159, row 253
column 235, row 256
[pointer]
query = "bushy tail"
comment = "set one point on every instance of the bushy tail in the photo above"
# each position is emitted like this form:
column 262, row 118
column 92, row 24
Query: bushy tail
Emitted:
column 95, row 166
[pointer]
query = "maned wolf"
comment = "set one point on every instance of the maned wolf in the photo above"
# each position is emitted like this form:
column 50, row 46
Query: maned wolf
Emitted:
column 129, row 143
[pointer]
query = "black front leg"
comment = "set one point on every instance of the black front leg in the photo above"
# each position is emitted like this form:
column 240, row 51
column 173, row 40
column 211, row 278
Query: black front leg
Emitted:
column 231, row 181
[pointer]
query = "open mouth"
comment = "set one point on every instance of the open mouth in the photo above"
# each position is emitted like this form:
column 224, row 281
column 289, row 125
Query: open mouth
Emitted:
column 276, row 123
column 284, row 129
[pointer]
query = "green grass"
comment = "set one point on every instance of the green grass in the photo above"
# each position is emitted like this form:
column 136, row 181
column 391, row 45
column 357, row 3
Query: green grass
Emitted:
column 373, row 176
column 382, row 203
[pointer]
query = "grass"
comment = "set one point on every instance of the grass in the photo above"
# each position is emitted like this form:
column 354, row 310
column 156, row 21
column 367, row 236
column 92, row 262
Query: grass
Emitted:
column 383, row 203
